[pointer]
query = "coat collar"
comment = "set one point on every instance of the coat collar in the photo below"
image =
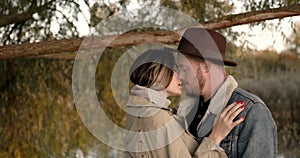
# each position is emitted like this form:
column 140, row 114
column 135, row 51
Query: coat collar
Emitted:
column 216, row 106
column 158, row 98
column 220, row 99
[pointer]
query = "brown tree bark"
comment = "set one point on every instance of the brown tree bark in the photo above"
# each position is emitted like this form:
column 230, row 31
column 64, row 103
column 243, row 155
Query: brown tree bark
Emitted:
column 72, row 45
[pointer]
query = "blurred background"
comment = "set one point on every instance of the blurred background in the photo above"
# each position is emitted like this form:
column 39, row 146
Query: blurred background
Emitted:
column 38, row 117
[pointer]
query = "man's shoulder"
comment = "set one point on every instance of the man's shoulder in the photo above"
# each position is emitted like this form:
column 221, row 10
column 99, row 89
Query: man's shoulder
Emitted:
column 253, row 104
column 240, row 94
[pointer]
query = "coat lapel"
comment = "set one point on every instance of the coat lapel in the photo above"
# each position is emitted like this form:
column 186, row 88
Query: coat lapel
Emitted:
column 217, row 104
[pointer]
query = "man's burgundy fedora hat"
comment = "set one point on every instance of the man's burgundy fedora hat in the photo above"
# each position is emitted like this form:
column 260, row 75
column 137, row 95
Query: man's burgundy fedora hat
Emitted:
column 204, row 43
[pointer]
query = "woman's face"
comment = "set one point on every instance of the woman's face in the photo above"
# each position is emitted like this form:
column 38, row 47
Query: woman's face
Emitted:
column 174, row 88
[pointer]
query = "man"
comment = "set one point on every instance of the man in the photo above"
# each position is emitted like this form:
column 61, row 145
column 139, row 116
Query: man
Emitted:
column 202, row 53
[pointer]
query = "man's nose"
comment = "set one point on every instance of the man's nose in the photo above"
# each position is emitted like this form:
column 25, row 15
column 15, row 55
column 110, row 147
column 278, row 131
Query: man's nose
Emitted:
column 180, row 76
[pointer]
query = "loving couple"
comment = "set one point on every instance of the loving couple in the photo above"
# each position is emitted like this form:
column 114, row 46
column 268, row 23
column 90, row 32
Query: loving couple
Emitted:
column 215, row 118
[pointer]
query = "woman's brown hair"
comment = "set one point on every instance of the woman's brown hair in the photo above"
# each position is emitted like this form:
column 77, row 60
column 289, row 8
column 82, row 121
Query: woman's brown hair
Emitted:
column 153, row 69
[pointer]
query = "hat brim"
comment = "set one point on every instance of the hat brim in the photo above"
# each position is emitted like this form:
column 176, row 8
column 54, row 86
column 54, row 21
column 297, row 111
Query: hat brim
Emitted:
column 229, row 63
column 217, row 61
column 220, row 62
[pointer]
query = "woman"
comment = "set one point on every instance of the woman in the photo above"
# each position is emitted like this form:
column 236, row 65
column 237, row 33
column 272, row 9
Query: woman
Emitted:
column 155, row 131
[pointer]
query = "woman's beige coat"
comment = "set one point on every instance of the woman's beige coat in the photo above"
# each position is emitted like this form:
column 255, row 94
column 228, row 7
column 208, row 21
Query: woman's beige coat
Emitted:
column 157, row 133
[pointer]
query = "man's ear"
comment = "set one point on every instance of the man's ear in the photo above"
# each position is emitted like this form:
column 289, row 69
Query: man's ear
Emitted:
column 205, row 66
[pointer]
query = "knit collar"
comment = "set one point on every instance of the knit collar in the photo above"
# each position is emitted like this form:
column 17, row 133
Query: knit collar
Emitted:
column 158, row 98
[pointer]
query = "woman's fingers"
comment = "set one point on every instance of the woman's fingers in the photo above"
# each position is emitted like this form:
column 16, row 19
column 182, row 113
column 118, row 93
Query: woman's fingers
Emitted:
column 235, row 112
column 235, row 123
column 231, row 112
column 224, row 112
column 225, row 123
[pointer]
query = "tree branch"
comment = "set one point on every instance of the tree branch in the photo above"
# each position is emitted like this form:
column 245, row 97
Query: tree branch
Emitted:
column 128, row 39
column 18, row 18
column 250, row 17
column 72, row 45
